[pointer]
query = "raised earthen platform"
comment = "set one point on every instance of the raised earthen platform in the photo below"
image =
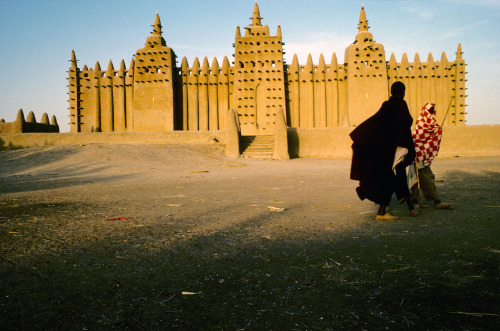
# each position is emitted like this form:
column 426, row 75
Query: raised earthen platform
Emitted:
column 471, row 140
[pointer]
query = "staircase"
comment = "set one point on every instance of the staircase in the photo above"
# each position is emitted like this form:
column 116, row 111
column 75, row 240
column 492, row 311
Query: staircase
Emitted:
column 257, row 147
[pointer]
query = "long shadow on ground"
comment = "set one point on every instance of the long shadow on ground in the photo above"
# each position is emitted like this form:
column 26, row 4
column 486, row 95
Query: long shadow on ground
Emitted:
column 418, row 273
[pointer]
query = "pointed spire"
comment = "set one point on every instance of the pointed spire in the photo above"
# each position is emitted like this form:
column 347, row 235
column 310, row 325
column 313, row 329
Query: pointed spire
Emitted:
column 256, row 15
column 278, row 31
column 156, row 26
column 416, row 59
column 238, row 32
column 321, row 63
column 430, row 58
column 73, row 59
column 111, row 70
column 444, row 59
column 215, row 65
column 295, row 62
column 156, row 36
column 31, row 117
column 363, row 23
column 131, row 67
column 44, row 119
column 459, row 52
column 121, row 71
column 53, row 121
column 334, row 62
column 309, row 64
column 196, row 66
column 363, row 34
column 184, row 64
column 205, row 67
column 392, row 61
column 20, row 116
column 225, row 63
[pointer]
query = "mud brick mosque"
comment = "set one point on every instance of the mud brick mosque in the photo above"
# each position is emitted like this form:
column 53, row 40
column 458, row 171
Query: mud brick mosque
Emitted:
column 155, row 94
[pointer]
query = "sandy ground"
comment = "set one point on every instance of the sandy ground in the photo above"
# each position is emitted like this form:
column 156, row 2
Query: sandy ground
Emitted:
column 83, row 222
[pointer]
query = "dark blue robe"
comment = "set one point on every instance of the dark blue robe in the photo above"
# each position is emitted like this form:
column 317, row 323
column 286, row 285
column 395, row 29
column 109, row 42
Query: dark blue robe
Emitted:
column 374, row 145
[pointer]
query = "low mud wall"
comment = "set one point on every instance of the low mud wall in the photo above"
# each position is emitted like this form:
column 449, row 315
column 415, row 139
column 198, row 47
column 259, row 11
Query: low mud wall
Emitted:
column 25, row 140
column 465, row 141
column 470, row 140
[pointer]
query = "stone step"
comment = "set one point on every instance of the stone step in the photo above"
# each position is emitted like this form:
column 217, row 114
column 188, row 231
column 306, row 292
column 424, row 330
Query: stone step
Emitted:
column 249, row 141
column 257, row 156
column 261, row 147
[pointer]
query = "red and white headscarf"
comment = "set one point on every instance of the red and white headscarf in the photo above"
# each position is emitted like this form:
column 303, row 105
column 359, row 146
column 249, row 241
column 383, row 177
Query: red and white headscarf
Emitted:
column 427, row 135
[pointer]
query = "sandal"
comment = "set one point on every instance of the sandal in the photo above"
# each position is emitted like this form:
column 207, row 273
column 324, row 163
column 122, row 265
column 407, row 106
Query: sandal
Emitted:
column 386, row 217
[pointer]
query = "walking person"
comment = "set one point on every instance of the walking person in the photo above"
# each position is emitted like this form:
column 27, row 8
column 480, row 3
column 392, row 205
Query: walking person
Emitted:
column 427, row 138
column 382, row 149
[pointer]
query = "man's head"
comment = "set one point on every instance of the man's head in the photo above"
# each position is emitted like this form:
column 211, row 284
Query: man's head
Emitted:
column 398, row 90
column 430, row 107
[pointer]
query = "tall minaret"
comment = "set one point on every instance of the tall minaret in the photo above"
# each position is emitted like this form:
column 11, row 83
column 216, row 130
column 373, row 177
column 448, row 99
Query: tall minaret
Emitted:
column 367, row 85
column 74, row 87
column 259, row 79
column 457, row 116
column 153, row 84
column 256, row 15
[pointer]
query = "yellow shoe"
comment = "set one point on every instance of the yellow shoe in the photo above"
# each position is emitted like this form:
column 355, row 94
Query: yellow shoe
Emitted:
column 386, row 217
column 443, row 205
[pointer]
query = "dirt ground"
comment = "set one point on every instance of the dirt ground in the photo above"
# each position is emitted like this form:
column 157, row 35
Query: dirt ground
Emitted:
column 148, row 237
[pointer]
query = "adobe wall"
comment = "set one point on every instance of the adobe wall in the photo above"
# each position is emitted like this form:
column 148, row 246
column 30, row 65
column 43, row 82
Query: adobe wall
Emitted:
column 464, row 141
column 470, row 140
column 20, row 125
column 11, row 127
column 27, row 140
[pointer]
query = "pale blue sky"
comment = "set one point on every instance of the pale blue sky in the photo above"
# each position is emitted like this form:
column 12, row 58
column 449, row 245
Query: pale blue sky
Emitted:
column 37, row 37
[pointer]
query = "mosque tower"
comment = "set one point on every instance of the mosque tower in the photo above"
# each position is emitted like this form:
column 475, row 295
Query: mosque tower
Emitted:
column 74, row 95
column 367, row 85
column 154, row 84
column 259, row 86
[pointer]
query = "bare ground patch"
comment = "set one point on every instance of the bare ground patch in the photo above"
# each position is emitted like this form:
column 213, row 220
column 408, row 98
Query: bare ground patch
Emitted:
column 181, row 237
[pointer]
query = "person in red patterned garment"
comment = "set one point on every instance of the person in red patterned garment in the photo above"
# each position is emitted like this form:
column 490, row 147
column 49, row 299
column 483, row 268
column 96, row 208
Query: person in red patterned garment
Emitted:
column 427, row 139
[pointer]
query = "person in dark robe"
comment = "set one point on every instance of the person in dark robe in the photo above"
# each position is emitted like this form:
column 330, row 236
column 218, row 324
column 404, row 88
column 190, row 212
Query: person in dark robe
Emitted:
column 382, row 149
